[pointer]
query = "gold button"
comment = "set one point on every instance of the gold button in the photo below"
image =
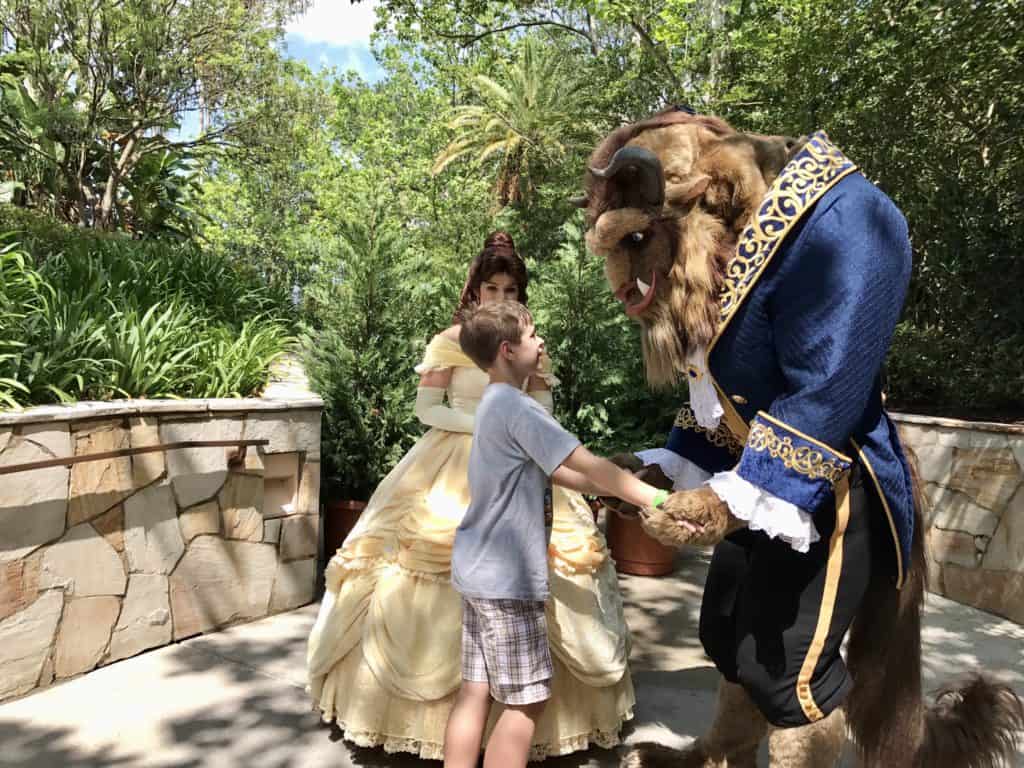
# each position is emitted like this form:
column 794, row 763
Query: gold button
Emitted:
column 739, row 399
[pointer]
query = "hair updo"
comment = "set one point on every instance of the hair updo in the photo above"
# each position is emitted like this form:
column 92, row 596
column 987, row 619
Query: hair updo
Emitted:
column 498, row 256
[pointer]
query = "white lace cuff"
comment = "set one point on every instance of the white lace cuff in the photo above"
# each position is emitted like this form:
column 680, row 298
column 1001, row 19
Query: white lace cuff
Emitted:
column 684, row 474
column 763, row 511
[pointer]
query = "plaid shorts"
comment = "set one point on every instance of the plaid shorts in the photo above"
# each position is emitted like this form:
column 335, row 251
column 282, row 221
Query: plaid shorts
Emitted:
column 505, row 643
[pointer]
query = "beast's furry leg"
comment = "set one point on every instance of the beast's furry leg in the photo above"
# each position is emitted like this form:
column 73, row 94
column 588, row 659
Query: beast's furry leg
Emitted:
column 731, row 743
column 973, row 725
column 818, row 745
column 737, row 731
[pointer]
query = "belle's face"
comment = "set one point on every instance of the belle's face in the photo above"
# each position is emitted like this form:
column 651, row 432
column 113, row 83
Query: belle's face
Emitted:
column 499, row 287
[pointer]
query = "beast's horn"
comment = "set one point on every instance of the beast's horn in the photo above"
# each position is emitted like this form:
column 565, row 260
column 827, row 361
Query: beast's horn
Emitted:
column 579, row 202
column 643, row 182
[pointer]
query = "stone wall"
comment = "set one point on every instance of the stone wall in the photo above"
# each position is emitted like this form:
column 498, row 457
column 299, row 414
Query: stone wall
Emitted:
column 974, row 482
column 110, row 558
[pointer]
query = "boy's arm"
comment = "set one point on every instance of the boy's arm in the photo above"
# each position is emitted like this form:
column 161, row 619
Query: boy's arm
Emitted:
column 544, row 440
column 574, row 481
column 615, row 481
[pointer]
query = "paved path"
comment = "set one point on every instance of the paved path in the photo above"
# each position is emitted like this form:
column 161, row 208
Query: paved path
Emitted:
column 236, row 698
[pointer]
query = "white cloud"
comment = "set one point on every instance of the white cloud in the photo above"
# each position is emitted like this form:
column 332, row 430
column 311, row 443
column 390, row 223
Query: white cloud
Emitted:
column 336, row 22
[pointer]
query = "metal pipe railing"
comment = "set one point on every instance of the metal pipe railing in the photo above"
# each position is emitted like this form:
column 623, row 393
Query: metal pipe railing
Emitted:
column 69, row 461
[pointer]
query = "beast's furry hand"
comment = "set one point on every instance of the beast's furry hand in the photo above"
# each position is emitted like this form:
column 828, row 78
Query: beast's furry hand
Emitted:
column 701, row 508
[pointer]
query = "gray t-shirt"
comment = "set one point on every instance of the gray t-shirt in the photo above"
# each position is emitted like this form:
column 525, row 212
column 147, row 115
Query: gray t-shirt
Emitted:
column 501, row 546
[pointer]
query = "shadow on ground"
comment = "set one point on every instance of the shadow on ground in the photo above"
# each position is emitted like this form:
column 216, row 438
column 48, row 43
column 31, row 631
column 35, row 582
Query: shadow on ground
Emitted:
column 237, row 698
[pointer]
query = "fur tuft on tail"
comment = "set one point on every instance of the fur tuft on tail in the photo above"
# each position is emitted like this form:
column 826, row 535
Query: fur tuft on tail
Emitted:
column 976, row 724
column 973, row 725
column 650, row 755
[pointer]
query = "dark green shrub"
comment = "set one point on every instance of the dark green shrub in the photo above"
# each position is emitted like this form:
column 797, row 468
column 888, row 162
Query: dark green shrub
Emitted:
column 87, row 315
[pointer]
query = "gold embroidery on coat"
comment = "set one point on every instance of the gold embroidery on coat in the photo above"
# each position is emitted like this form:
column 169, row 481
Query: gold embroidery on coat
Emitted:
column 719, row 436
column 803, row 459
column 804, row 179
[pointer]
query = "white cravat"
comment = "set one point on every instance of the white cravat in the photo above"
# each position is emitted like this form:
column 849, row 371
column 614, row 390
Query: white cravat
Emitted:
column 703, row 397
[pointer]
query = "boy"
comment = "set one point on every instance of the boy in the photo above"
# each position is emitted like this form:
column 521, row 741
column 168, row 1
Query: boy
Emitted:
column 499, row 558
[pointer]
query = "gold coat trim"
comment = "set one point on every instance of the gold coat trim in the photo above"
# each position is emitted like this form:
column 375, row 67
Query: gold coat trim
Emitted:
column 720, row 436
column 802, row 182
column 800, row 458
column 833, row 570
column 888, row 513
column 808, row 176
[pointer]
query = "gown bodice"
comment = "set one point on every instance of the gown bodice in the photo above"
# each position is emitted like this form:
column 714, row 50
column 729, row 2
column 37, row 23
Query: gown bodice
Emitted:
column 466, row 388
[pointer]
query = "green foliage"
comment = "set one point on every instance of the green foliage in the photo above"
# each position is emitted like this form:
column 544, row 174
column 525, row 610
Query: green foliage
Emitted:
column 360, row 353
column 103, row 316
column 528, row 121
column 162, row 191
column 235, row 363
column 97, row 266
column 91, row 94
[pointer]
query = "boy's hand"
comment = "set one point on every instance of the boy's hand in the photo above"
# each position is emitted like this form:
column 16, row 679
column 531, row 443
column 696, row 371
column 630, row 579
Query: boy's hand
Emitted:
column 695, row 518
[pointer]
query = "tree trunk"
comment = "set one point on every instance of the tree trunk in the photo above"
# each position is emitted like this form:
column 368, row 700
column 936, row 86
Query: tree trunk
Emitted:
column 81, row 198
column 716, row 15
column 595, row 47
column 124, row 164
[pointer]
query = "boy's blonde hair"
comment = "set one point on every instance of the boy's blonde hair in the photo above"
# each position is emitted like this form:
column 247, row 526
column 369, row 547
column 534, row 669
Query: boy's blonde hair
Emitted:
column 484, row 328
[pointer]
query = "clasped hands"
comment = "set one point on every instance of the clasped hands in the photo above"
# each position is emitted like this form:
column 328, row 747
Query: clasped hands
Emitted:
column 696, row 517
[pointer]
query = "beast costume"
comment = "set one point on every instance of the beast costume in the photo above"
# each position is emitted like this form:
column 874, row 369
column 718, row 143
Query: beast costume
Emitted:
column 770, row 274
column 786, row 424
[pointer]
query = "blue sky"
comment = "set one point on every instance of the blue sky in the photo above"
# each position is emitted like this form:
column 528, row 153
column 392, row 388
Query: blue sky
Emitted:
column 332, row 33
column 335, row 33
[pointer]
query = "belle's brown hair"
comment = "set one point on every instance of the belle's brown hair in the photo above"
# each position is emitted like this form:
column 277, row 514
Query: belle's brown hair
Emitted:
column 498, row 256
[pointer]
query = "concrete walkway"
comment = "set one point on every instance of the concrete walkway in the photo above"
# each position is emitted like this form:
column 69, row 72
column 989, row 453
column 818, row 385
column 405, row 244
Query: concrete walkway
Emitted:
column 236, row 698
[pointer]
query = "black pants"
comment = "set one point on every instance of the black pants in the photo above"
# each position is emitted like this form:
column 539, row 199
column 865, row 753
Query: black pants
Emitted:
column 764, row 603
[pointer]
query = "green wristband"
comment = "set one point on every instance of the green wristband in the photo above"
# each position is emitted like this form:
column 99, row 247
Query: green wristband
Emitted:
column 659, row 498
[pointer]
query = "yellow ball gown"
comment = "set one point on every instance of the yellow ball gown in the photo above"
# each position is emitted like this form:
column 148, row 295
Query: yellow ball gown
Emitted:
column 384, row 656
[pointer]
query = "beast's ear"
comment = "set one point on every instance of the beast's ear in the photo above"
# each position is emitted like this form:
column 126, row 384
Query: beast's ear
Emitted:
column 772, row 153
column 794, row 145
column 735, row 191
column 685, row 192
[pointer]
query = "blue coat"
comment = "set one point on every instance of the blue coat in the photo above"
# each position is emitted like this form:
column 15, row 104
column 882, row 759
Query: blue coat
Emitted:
column 812, row 297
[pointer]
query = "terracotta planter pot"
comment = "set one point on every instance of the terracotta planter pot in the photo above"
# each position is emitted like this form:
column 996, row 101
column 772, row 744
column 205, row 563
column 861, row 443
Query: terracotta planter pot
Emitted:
column 633, row 550
column 339, row 519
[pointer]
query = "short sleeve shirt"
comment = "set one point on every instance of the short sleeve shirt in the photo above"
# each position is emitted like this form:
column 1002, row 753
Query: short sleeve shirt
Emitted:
column 501, row 546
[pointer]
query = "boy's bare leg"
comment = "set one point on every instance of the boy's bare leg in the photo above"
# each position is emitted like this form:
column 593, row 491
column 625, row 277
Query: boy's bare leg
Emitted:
column 509, row 745
column 466, row 723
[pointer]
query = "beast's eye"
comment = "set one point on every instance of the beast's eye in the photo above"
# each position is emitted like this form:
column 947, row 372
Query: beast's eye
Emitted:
column 634, row 239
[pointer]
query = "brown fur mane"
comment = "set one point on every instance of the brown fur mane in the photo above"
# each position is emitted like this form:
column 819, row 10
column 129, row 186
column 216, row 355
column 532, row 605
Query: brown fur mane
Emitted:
column 601, row 195
column 702, row 239
column 688, row 317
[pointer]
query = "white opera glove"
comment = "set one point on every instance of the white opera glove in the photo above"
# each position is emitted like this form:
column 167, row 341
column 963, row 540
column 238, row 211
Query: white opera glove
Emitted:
column 545, row 398
column 430, row 410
